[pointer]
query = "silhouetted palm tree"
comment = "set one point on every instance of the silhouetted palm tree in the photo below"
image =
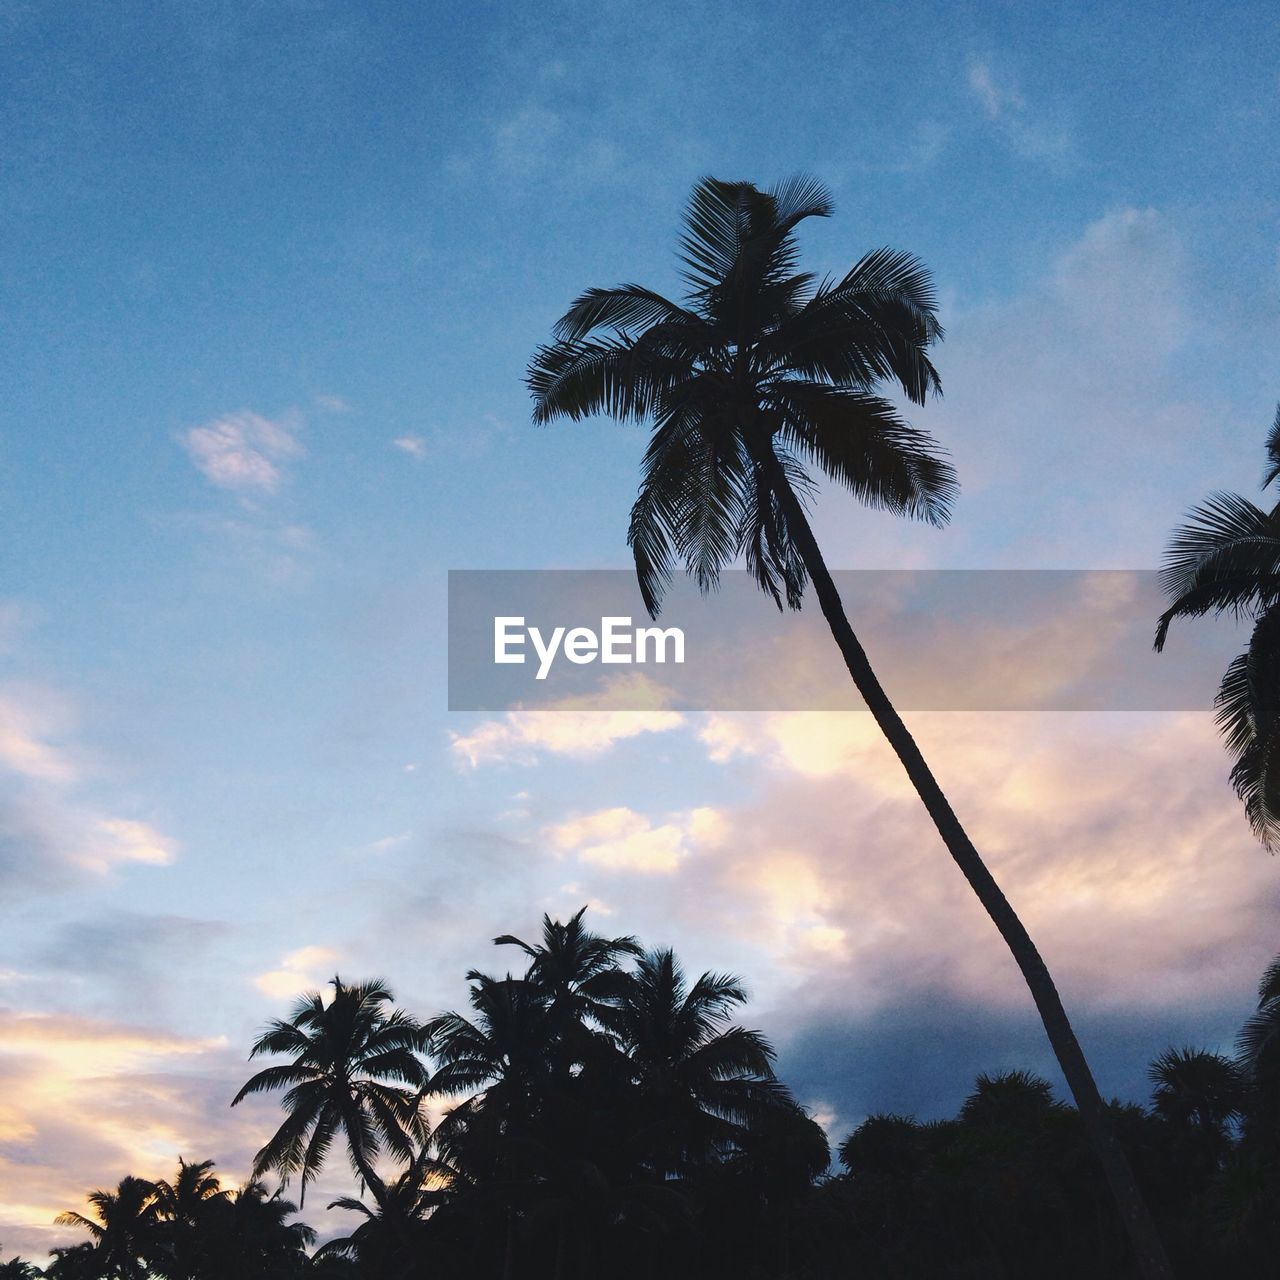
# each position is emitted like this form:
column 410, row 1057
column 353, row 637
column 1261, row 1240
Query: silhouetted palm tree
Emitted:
column 1195, row 1087
column 1259, row 1042
column 761, row 371
column 1226, row 559
column 184, row 1208
column 355, row 1072
column 18, row 1269
column 124, row 1235
column 75, row 1262
column 575, row 971
column 389, row 1242
column 700, row 1080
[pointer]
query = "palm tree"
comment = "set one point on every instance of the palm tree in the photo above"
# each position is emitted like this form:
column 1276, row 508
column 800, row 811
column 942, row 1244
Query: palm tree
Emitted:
column 1195, row 1087
column 18, row 1269
column 575, row 970
column 254, row 1236
column 1226, row 559
column 75, row 1262
column 124, row 1235
column 355, row 1070
column 760, row 371
column 384, row 1242
column 1259, row 1042
column 184, row 1208
column 699, row 1080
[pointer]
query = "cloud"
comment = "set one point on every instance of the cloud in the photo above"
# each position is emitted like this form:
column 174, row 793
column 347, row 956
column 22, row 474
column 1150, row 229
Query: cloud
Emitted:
column 299, row 971
column 1028, row 132
column 621, row 839
column 244, row 452
column 84, row 1101
column 48, row 831
column 332, row 404
column 414, row 446
column 570, row 727
column 24, row 724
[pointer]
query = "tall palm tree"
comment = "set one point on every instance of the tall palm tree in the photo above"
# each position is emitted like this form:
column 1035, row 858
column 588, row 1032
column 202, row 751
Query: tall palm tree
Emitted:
column 355, row 1071
column 124, row 1235
column 761, row 370
column 1226, row 559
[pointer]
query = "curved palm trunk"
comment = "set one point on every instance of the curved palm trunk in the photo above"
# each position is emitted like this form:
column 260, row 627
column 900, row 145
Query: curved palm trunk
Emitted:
column 1147, row 1247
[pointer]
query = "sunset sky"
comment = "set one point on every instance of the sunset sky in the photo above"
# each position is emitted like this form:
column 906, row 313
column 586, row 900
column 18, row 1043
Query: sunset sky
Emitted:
column 271, row 274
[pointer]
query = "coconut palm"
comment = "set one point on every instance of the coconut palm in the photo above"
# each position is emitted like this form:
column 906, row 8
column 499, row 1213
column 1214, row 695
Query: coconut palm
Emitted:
column 1226, row 559
column 388, row 1240
column 700, row 1080
column 575, row 970
column 254, row 1237
column 760, row 371
column 355, row 1071
column 1259, row 1042
column 18, row 1269
column 1195, row 1087
column 124, row 1235
column 185, row 1208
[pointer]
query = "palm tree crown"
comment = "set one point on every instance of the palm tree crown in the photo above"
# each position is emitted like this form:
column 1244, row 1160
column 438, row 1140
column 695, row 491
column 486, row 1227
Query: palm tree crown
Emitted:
column 759, row 353
column 355, row 1071
column 1226, row 559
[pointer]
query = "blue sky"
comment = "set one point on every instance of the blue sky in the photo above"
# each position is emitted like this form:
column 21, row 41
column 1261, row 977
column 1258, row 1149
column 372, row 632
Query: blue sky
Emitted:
column 270, row 278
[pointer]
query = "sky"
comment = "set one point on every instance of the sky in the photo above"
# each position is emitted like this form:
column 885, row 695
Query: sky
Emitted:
column 269, row 278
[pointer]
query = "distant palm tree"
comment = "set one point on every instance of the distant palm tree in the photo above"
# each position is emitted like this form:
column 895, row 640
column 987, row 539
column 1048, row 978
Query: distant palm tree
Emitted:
column 17, row 1269
column 75, row 1262
column 124, row 1235
column 1226, row 559
column 388, row 1240
column 254, row 1237
column 184, row 1208
column 576, row 971
column 1195, row 1087
column 700, row 1080
column 355, row 1071
column 759, row 372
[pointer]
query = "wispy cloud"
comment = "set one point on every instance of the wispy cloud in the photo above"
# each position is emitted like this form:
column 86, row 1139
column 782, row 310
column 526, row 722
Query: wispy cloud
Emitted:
column 48, row 830
column 414, row 446
column 244, row 452
column 1031, row 132
column 572, row 727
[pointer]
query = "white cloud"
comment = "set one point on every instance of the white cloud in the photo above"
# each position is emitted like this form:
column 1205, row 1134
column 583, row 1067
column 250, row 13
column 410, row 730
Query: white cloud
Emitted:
column 572, row 727
column 620, row 839
column 23, row 725
column 414, row 446
column 299, row 971
column 244, row 451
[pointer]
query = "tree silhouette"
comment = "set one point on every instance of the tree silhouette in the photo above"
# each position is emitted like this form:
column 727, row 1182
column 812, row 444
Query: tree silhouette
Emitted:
column 355, row 1071
column 124, row 1234
column 762, row 371
column 1226, row 559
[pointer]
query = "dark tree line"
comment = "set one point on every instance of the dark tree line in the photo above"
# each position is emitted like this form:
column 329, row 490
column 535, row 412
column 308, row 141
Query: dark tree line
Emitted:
column 606, row 1115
